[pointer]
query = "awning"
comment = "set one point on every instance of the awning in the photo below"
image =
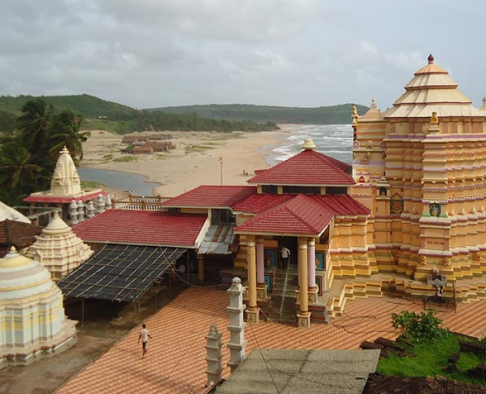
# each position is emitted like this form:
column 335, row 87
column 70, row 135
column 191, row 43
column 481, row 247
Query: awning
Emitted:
column 119, row 272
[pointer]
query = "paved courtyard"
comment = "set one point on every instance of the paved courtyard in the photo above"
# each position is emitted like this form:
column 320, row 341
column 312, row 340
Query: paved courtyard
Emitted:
column 175, row 362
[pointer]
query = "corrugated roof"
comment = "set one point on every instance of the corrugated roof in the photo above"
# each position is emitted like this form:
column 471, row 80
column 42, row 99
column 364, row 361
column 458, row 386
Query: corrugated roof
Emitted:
column 302, row 372
column 303, row 214
column 210, row 196
column 119, row 272
column 306, row 168
column 142, row 228
column 217, row 240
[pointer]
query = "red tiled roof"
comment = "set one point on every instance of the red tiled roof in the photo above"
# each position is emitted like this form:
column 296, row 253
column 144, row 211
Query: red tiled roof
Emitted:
column 212, row 197
column 302, row 214
column 257, row 203
column 141, row 228
column 307, row 168
column 64, row 200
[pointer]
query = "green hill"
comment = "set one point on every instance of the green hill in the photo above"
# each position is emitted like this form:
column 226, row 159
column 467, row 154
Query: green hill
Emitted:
column 85, row 105
column 336, row 114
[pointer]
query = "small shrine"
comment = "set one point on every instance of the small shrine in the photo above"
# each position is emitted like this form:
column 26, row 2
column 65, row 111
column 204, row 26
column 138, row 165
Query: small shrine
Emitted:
column 65, row 187
column 32, row 320
column 59, row 249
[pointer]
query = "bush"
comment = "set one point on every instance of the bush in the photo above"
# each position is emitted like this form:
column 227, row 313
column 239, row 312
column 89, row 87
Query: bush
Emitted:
column 419, row 328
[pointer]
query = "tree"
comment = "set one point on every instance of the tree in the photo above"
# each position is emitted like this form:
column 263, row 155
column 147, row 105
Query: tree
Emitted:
column 18, row 172
column 34, row 124
column 65, row 131
column 419, row 328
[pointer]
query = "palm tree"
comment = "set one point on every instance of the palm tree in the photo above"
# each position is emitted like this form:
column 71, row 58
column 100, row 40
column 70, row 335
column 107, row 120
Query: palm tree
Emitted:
column 33, row 125
column 18, row 173
column 65, row 131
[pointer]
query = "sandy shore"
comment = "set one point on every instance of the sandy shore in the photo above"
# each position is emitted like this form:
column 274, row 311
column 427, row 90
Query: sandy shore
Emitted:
column 199, row 158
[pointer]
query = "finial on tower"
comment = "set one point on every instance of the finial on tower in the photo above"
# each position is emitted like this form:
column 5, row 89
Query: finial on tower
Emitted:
column 308, row 144
column 430, row 59
column 373, row 103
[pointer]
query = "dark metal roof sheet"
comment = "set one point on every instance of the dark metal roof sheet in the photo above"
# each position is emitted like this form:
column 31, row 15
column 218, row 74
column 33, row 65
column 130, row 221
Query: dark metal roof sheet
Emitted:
column 119, row 272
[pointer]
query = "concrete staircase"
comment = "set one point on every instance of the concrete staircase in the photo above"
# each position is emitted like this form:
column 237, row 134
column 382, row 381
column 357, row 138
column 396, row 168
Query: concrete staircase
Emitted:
column 284, row 287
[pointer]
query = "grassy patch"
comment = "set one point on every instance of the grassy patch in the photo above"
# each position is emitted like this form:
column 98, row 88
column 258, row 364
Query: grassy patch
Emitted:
column 90, row 185
column 108, row 157
column 431, row 359
column 160, row 157
column 198, row 148
column 125, row 159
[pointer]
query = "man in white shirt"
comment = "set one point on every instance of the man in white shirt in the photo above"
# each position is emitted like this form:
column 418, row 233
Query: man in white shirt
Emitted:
column 144, row 336
column 285, row 253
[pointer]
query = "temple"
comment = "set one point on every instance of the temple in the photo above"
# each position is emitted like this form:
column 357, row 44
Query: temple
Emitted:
column 407, row 217
column 66, row 189
column 420, row 169
column 59, row 249
column 32, row 320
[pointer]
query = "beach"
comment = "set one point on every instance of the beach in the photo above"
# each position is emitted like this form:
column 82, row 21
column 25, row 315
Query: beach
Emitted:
column 198, row 158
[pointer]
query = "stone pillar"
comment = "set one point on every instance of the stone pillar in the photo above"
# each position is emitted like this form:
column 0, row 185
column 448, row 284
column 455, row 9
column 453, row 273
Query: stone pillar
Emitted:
column 252, row 312
column 80, row 211
column 73, row 213
column 260, row 265
column 311, row 267
column 303, row 316
column 100, row 204
column 90, row 209
column 108, row 202
column 200, row 268
column 214, row 356
column 237, row 344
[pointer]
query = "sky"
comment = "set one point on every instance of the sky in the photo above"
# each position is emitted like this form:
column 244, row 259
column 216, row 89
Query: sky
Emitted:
column 302, row 53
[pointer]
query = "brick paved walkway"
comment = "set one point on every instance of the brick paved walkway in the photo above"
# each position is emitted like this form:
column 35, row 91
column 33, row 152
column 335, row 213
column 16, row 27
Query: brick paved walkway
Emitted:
column 176, row 362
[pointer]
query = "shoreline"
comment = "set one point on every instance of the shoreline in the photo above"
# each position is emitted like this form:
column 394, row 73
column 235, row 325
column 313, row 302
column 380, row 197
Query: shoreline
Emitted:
column 199, row 158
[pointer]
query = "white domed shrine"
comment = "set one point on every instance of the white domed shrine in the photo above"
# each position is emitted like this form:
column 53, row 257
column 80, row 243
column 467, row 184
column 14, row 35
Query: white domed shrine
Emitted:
column 59, row 249
column 32, row 320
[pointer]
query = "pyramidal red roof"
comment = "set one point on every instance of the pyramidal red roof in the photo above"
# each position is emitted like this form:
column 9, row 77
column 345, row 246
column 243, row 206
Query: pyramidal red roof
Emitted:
column 302, row 215
column 207, row 196
column 257, row 203
column 307, row 168
column 141, row 228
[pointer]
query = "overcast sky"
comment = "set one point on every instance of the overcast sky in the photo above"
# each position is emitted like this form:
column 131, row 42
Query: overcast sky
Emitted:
column 305, row 53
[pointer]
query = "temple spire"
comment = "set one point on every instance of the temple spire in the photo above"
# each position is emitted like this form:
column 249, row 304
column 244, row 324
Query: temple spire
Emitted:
column 430, row 59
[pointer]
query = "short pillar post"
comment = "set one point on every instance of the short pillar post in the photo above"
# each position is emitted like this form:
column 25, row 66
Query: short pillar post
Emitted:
column 73, row 213
column 214, row 356
column 237, row 344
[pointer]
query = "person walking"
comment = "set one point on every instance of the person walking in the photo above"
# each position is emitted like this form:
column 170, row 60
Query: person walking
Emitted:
column 144, row 336
column 285, row 254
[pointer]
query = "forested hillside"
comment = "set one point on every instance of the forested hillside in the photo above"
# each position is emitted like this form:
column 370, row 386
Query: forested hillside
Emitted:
column 336, row 114
column 107, row 115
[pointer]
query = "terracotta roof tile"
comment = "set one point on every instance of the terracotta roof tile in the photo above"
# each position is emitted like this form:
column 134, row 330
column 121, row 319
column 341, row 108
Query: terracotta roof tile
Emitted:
column 141, row 228
column 257, row 203
column 307, row 168
column 208, row 196
column 18, row 233
column 302, row 214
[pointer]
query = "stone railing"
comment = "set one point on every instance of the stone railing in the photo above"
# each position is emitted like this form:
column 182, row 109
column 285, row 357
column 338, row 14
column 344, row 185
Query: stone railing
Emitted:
column 137, row 203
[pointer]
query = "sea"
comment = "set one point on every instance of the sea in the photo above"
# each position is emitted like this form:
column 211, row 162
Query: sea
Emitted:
column 332, row 140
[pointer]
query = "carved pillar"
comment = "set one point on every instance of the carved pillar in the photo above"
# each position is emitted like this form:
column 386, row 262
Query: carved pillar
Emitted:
column 80, row 211
column 90, row 209
column 260, row 265
column 200, row 268
column 108, row 202
column 237, row 344
column 303, row 316
column 253, row 311
column 100, row 204
column 73, row 212
column 311, row 266
column 214, row 356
